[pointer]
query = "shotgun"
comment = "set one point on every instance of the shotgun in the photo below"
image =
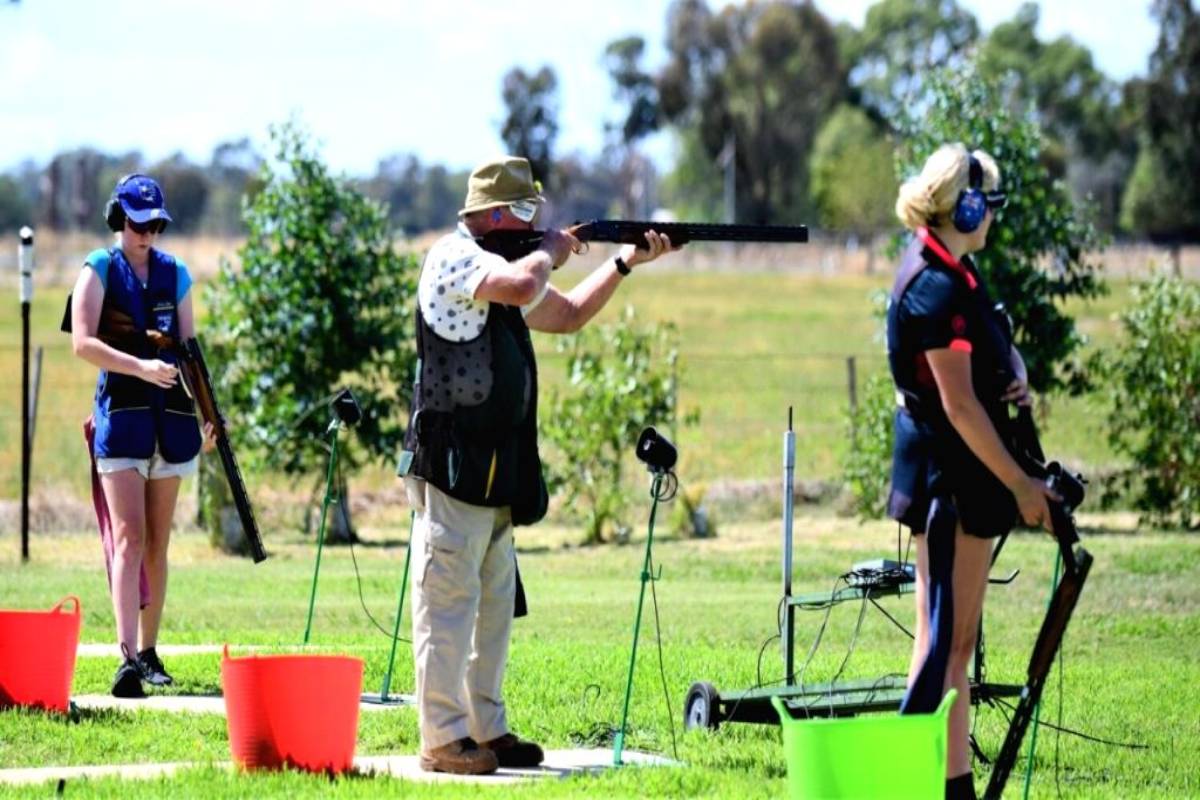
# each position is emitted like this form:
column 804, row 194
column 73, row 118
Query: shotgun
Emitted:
column 513, row 244
column 117, row 330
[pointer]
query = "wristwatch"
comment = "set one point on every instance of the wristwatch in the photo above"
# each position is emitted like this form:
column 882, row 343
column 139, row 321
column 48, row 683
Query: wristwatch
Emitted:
column 622, row 267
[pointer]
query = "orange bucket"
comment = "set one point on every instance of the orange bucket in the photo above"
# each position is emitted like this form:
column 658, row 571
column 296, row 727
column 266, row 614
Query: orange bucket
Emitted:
column 37, row 656
column 292, row 710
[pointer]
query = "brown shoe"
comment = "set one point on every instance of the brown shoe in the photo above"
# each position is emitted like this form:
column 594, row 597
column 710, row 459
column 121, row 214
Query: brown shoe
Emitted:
column 463, row 757
column 514, row 752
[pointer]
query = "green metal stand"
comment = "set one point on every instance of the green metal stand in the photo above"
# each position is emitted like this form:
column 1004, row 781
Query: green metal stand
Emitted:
column 619, row 743
column 383, row 698
column 334, row 427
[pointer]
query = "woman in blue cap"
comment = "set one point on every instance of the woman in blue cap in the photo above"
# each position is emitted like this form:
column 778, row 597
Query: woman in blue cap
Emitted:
column 954, row 482
column 143, row 430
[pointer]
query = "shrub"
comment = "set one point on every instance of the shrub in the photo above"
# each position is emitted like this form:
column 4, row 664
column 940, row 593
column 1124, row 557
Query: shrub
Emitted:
column 1152, row 383
column 621, row 378
column 321, row 300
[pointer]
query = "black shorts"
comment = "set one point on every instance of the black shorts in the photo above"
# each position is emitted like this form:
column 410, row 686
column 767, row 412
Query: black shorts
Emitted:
column 926, row 465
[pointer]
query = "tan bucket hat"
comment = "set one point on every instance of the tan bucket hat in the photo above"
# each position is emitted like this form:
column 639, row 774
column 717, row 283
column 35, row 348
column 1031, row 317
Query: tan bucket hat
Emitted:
column 501, row 182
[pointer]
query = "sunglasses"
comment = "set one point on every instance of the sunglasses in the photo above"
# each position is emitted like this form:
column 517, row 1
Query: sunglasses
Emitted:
column 142, row 228
column 996, row 200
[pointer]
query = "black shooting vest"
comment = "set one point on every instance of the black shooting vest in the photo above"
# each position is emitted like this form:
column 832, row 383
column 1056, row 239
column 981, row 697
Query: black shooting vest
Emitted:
column 472, row 431
column 974, row 318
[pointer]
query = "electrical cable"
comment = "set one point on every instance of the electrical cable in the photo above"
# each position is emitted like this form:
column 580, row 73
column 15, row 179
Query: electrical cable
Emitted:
column 358, row 580
column 1085, row 736
column 661, row 668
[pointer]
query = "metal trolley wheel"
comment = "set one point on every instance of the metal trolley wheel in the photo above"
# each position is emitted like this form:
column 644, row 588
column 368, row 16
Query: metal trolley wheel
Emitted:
column 702, row 708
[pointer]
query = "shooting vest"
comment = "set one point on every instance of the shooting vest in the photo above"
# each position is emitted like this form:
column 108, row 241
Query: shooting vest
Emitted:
column 472, row 431
column 132, row 416
column 977, row 322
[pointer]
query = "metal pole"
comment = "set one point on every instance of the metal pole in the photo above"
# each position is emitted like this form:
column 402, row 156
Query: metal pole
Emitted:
column 619, row 744
column 334, row 426
column 35, row 391
column 788, row 623
column 25, row 260
column 387, row 676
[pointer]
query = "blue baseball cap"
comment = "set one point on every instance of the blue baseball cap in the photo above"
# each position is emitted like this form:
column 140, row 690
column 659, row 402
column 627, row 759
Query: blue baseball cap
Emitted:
column 141, row 199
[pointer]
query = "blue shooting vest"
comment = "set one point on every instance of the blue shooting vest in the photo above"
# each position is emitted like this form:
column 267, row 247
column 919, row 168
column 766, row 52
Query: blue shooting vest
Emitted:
column 132, row 416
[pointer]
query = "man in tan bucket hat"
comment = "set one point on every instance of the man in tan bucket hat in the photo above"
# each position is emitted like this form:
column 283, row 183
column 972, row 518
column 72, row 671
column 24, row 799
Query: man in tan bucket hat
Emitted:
column 470, row 459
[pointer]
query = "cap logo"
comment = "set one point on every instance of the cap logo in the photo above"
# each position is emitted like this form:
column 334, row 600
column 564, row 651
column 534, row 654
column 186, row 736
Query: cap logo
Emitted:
column 146, row 191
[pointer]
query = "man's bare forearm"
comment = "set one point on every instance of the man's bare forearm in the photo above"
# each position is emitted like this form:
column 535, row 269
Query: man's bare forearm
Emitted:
column 592, row 294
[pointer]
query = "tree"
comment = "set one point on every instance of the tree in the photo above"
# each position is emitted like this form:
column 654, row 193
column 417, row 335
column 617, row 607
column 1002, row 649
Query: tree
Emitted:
column 322, row 300
column 1078, row 107
column 1039, row 246
column 233, row 175
column 853, row 174
column 633, row 87
column 1170, row 100
column 185, row 187
column 900, row 43
column 761, row 77
column 418, row 197
column 621, row 378
column 531, row 124
column 1152, row 384
column 15, row 209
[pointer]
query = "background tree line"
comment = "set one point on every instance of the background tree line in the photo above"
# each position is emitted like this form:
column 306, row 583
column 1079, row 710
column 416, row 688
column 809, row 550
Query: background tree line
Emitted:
column 778, row 114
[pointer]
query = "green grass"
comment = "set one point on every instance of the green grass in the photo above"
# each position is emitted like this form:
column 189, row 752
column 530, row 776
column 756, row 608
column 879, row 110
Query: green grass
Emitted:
column 1130, row 668
column 751, row 345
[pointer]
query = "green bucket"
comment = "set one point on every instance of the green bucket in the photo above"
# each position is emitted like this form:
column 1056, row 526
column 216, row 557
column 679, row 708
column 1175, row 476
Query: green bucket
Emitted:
column 895, row 756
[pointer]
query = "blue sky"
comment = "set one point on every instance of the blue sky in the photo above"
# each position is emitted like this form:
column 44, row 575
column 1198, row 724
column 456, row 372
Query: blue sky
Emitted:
column 367, row 77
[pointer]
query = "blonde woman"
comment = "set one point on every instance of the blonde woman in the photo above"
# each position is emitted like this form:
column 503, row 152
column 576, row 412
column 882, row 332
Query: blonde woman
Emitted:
column 954, row 483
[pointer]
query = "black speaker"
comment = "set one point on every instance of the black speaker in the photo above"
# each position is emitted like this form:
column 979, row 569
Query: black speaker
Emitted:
column 346, row 408
column 656, row 451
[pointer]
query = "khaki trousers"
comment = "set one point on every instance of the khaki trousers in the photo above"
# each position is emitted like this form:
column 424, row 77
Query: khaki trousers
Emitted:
column 464, row 580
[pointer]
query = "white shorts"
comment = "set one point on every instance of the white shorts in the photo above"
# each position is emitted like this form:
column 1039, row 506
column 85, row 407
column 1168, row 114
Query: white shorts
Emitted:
column 152, row 469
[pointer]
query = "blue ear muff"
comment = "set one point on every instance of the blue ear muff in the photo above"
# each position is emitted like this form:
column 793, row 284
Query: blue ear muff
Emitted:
column 971, row 206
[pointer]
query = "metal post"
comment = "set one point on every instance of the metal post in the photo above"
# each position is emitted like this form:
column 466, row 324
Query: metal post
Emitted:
column 25, row 260
column 619, row 743
column 334, row 427
column 383, row 698
column 788, row 623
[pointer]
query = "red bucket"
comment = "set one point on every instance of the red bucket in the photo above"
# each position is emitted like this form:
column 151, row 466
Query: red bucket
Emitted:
column 37, row 656
column 295, row 710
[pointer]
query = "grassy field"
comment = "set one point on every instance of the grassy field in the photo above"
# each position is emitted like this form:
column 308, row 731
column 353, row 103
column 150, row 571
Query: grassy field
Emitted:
column 751, row 345
column 1130, row 668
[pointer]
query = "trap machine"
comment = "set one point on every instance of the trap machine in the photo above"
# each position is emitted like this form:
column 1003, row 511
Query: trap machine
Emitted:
column 705, row 707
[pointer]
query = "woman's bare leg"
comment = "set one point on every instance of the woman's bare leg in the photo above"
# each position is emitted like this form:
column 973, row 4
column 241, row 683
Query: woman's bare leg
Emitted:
column 161, row 495
column 125, row 494
column 972, row 558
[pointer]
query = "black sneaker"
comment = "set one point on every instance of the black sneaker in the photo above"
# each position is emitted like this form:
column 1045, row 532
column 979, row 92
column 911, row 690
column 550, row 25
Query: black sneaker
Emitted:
column 153, row 671
column 128, row 680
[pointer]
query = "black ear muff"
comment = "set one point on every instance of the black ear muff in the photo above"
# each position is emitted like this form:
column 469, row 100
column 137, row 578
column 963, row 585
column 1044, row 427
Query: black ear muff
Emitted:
column 114, row 215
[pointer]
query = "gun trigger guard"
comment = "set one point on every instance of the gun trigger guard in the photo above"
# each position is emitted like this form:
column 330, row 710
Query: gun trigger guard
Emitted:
column 581, row 249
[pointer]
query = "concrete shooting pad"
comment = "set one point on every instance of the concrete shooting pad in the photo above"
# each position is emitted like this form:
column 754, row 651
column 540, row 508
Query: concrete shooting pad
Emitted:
column 558, row 764
column 202, row 704
column 110, row 650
